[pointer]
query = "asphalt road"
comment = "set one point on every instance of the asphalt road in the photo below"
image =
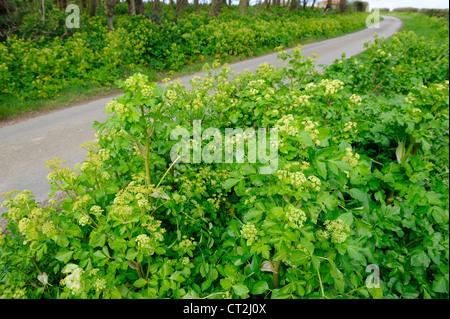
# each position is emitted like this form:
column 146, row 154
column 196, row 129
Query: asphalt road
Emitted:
column 27, row 144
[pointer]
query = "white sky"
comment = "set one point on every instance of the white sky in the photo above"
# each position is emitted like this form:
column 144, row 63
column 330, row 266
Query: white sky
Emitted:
column 391, row 4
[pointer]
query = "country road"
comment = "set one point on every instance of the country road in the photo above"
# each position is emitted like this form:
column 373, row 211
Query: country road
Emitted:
column 27, row 144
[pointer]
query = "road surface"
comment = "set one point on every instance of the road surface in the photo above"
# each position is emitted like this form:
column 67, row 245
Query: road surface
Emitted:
column 26, row 145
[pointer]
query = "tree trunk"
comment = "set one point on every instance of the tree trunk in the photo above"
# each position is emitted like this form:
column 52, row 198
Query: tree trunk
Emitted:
column 243, row 6
column 180, row 7
column 313, row 4
column 196, row 5
column 63, row 5
column 43, row 11
column 139, row 6
column 294, row 4
column 131, row 8
column 92, row 8
column 343, row 6
column 110, row 4
column 328, row 7
column 215, row 7
column 305, row 2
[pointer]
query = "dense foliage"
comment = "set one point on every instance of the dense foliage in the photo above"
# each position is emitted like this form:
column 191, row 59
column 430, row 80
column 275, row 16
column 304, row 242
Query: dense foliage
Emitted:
column 362, row 185
column 91, row 55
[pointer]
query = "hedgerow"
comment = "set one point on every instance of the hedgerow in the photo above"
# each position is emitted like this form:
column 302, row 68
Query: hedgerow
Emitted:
column 42, row 68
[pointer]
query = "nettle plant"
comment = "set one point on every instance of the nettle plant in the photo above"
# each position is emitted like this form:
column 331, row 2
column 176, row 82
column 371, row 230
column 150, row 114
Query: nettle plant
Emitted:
column 137, row 224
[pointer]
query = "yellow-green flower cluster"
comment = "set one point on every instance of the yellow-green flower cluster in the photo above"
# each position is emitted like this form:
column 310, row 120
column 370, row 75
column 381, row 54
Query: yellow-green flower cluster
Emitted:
column 114, row 106
column 350, row 127
column 297, row 179
column 249, row 232
column 100, row 284
column 295, row 216
column 18, row 294
column 84, row 220
column 322, row 234
column 187, row 242
column 37, row 222
column 199, row 182
column 351, row 158
column 315, row 182
column 216, row 200
column 338, row 230
column 356, row 99
column 331, row 86
column 143, row 242
column 285, row 125
column 185, row 261
column 310, row 127
column 60, row 173
column 73, row 281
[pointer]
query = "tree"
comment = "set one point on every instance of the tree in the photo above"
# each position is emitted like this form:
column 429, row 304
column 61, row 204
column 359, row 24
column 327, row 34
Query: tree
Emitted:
column 180, row 7
column 294, row 4
column 110, row 4
column 196, row 5
column 243, row 6
column 343, row 6
column 63, row 5
column 329, row 6
column 313, row 4
column 131, row 9
column 92, row 8
column 157, row 7
column 139, row 4
column 216, row 7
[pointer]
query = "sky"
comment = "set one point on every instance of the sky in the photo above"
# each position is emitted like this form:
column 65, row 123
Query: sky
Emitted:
column 391, row 4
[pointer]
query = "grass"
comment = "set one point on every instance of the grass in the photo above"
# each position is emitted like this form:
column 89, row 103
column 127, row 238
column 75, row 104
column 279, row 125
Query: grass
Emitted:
column 13, row 107
column 417, row 23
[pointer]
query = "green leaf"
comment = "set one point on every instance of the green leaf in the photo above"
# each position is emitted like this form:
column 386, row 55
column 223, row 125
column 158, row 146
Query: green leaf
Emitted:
column 230, row 182
column 97, row 239
column 440, row 285
column 62, row 241
column 321, row 169
column 141, row 282
column 298, row 257
column 420, row 260
column 260, row 287
column 240, row 289
column 359, row 195
column 64, row 256
column 347, row 218
column 225, row 283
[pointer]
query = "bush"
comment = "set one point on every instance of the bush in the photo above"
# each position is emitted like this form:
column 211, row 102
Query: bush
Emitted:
column 361, row 183
column 41, row 69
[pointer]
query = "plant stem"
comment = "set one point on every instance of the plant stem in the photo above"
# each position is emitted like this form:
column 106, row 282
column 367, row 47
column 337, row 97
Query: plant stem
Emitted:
column 276, row 274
